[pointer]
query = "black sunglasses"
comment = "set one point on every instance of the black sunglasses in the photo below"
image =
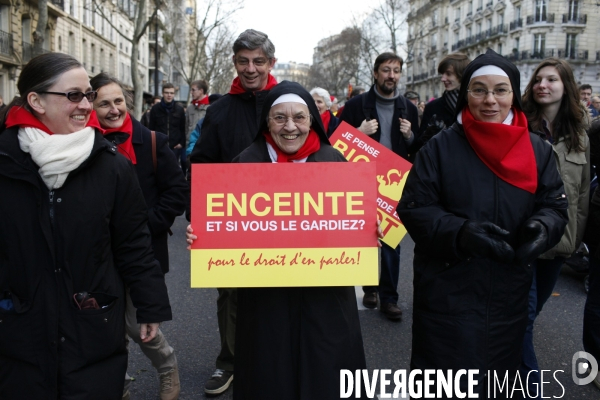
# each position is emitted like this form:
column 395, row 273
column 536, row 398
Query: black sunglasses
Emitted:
column 76, row 97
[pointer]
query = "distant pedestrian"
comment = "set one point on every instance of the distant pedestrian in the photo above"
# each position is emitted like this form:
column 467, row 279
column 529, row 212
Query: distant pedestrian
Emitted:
column 585, row 94
column 168, row 117
column 195, row 135
column 197, row 108
column 440, row 114
column 323, row 101
column 145, row 120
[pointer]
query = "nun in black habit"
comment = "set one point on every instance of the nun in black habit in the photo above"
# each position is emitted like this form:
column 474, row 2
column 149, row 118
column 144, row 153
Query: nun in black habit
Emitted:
column 482, row 201
column 291, row 342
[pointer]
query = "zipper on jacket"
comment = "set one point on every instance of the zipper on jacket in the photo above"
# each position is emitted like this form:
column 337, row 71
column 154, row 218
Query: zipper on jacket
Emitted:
column 51, row 198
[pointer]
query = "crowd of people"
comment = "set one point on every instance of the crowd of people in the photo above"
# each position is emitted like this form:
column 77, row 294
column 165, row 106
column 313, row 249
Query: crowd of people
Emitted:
column 499, row 195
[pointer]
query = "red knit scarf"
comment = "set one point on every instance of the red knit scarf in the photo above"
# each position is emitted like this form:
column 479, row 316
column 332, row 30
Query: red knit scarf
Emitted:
column 237, row 88
column 505, row 149
column 125, row 148
column 201, row 101
column 312, row 145
column 19, row 116
column 326, row 117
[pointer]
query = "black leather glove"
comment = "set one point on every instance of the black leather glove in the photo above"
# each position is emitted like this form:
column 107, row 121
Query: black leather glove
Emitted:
column 485, row 240
column 434, row 126
column 533, row 239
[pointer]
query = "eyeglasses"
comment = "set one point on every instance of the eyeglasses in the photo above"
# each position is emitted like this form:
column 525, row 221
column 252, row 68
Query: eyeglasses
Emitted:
column 258, row 62
column 76, row 97
column 299, row 119
column 481, row 93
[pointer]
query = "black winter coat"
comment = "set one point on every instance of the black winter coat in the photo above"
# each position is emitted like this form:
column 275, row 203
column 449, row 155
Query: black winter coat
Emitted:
column 471, row 313
column 354, row 114
column 165, row 191
column 91, row 235
column 229, row 127
column 171, row 123
column 333, row 124
column 442, row 111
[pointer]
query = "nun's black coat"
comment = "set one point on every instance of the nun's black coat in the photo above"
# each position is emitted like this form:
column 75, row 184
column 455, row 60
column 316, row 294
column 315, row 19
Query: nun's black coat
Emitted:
column 292, row 342
column 472, row 313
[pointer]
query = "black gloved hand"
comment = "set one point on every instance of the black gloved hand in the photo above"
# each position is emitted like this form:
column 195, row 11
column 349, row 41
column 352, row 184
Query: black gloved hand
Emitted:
column 434, row 126
column 485, row 240
column 533, row 239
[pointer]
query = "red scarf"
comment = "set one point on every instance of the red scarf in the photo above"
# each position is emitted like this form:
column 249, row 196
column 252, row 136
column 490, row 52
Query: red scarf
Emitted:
column 505, row 149
column 198, row 103
column 19, row 116
column 125, row 148
column 237, row 88
column 312, row 145
column 326, row 117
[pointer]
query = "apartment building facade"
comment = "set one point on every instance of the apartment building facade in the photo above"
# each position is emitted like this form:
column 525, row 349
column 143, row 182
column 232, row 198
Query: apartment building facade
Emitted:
column 524, row 31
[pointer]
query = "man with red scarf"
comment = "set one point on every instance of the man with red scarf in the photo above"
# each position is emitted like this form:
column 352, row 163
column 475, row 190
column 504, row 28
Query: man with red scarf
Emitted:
column 197, row 108
column 229, row 127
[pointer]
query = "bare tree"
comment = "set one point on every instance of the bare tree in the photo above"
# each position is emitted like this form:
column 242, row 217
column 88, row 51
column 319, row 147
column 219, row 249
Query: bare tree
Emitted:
column 219, row 67
column 338, row 62
column 141, row 20
column 392, row 13
column 206, row 52
column 40, row 29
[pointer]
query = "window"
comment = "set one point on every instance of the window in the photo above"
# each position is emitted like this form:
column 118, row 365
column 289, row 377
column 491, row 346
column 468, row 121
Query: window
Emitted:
column 500, row 48
column 488, row 24
column 26, row 30
column 573, row 10
column 72, row 48
column 571, row 46
column 539, row 44
column 47, row 39
column 60, row 43
column 541, row 8
column 85, row 53
column 470, row 9
column 478, row 28
column 518, row 13
column 457, row 15
column 434, row 18
column 93, row 64
column 500, row 19
column 517, row 42
column 4, row 14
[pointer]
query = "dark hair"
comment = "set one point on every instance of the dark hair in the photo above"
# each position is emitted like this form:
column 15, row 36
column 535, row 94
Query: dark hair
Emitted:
column 201, row 84
column 103, row 79
column 568, row 123
column 585, row 86
column 251, row 39
column 457, row 61
column 38, row 75
column 385, row 57
column 356, row 91
column 168, row 85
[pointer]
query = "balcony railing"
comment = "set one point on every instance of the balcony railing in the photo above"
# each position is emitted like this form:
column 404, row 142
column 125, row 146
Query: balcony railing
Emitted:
column 518, row 23
column 573, row 54
column 59, row 3
column 571, row 19
column 598, row 56
column 540, row 19
column 5, row 43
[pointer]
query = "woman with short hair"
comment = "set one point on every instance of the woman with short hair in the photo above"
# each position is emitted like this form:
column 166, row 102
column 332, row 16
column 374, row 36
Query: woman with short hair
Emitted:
column 323, row 101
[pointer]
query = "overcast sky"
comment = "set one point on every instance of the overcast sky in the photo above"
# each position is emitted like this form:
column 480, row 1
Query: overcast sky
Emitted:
column 296, row 27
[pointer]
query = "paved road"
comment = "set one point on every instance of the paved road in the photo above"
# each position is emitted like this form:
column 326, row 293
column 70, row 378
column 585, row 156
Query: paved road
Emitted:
column 193, row 332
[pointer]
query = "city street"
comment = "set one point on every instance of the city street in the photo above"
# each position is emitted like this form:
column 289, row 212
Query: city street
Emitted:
column 194, row 334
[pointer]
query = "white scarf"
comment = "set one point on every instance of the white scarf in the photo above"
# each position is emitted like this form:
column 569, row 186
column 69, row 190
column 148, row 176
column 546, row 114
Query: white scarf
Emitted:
column 57, row 154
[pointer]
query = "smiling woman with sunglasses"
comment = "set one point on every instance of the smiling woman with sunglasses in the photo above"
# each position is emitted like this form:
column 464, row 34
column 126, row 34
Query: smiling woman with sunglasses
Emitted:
column 73, row 232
